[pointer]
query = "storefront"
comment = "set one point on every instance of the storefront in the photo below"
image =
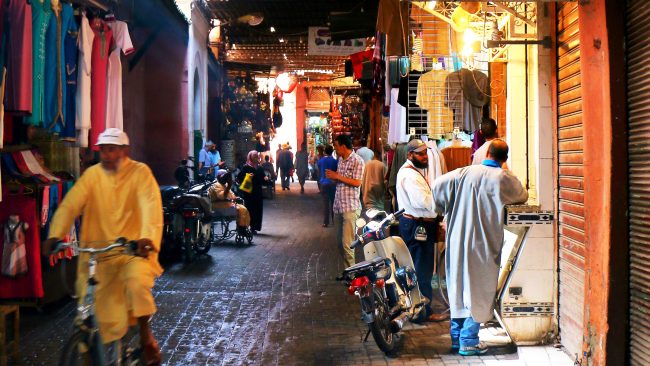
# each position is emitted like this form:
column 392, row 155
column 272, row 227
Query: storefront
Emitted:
column 56, row 101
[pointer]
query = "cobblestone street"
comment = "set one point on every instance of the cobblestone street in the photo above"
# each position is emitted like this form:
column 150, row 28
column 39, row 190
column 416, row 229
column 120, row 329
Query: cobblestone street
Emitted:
column 273, row 303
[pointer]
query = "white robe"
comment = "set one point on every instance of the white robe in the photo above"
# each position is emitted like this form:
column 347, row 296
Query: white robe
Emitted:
column 473, row 200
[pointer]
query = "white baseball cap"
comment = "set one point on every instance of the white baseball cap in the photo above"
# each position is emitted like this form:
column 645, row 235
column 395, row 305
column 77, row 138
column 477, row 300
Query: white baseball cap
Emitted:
column 113, row 136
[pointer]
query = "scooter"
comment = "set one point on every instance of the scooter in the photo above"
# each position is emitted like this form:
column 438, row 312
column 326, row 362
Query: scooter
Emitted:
column 385, row 282
column 187, row 226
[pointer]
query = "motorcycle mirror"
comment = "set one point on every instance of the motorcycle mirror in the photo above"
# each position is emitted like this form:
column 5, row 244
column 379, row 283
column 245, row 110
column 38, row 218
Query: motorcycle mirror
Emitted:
column 360, row 222
column 371, row 213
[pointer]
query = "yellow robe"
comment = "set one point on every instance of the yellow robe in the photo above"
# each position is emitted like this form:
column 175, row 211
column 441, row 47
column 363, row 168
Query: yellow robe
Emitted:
column 125, row 203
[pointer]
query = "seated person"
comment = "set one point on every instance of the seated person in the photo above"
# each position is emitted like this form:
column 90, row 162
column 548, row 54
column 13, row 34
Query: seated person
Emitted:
column 268, row 168
column 222, row 197
column 182, row 174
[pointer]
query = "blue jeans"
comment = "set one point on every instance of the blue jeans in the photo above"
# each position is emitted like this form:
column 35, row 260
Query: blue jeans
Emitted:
column 464, row 332
column 422, row 254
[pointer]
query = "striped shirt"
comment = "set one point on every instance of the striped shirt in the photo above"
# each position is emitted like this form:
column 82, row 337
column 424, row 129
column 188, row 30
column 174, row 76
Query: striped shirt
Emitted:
column 347, row 197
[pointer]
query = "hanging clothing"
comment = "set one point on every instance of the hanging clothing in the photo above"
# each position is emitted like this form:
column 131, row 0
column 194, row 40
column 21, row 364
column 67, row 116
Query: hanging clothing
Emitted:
column 437, row 166
column 102, row 44
column 71, row 58
column 466, row 92
column 14, row 253
column 392, row 19
column 41, row 13
column 3, row 35
column 473, row 200
column 55, row 76
column 19, row 56
column 30, row 285
column 122, row 40
column 431, row 96
column 399, row 158
column 84, row 66
column 397, row 123
column 3, row 79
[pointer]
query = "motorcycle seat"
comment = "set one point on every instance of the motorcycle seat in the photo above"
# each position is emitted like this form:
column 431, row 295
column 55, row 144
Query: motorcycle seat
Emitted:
column 365, row 265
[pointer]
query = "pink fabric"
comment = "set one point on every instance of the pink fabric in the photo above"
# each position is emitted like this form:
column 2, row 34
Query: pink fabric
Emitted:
column 45, row 207
column 30, row 285
column 19, row 57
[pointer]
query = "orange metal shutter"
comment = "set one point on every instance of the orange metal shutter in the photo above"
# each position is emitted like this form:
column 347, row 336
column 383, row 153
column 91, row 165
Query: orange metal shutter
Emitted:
column 638, row 64
column 571, row 223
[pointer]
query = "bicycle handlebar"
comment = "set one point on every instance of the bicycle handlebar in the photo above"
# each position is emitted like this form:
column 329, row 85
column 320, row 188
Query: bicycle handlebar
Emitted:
column 131, row 245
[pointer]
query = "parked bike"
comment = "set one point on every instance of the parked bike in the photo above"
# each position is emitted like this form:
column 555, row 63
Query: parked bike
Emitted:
column 385, row 282
column 85, row 346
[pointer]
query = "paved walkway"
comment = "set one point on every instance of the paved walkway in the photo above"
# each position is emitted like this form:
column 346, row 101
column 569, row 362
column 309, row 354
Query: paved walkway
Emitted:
column 273, row 303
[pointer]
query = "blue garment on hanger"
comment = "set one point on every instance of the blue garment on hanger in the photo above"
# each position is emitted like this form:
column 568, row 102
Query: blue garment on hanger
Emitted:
column 53, row 59
column 71, row 60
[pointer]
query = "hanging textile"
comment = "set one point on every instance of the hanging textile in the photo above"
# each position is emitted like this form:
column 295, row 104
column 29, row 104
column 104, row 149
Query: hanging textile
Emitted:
column 84, row 66
column 61, row 24
column 431, row 97
column 30, row 285
column 41, row 13
column 114, row 113
column 71, row 58
column 469, row 91
column 19, row 56
column 3, row 77
column 102, row 44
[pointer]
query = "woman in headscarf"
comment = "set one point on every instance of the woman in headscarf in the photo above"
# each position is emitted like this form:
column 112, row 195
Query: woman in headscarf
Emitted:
column 253, row 200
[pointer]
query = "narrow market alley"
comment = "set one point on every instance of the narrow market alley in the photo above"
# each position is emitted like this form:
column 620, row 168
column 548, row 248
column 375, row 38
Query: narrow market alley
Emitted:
column 274, row 303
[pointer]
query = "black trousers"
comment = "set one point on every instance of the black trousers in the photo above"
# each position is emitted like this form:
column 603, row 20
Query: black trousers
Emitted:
column 422, row 252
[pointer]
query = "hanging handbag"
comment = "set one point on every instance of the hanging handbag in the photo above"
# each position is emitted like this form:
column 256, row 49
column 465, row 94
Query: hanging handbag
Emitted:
column 247, row 184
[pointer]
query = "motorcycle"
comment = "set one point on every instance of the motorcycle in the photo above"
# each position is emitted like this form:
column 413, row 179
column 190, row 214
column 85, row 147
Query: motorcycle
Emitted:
column 187, row 226
column 385, row 282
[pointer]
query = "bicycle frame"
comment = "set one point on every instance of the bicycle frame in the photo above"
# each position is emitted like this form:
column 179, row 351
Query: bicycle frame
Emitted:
column 85, row 320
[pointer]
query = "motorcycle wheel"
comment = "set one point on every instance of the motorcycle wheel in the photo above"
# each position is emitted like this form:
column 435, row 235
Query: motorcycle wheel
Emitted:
column 380, row 328
column 202, row 245
column 188, row 250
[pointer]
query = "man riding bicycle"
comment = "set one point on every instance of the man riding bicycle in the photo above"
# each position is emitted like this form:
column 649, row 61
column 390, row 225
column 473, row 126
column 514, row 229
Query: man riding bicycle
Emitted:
column 117, row 198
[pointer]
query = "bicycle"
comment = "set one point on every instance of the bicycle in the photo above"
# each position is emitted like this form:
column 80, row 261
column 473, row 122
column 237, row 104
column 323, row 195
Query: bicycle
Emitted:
column 85, row 346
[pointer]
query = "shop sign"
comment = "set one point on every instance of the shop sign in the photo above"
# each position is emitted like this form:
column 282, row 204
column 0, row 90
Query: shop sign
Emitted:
column 320, row 44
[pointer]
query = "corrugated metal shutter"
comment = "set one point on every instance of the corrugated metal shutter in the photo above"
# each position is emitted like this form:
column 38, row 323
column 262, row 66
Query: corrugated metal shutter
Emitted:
column 638, row 69
column 571, row 223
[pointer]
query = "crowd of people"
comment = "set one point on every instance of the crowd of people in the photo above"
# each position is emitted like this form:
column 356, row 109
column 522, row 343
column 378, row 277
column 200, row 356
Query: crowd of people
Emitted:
column 467, row 203
column 465, row 206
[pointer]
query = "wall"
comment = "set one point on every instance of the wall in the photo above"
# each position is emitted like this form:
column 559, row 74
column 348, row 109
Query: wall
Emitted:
column 536, row 273
column 197, row 63
column 605, row 146
column 156, row 133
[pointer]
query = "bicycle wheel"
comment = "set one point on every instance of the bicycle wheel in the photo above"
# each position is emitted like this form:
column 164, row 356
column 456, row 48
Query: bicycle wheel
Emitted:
column 80, row 350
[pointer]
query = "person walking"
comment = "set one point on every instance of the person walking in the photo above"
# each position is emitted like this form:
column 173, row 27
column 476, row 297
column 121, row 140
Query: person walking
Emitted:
column 418, row 226
column 347, row 206
column 473, row 200
column 285, row 163
column 277, row 159
column 253, row 200
column 327, row 186
column 373, row 185
column 302, row 167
